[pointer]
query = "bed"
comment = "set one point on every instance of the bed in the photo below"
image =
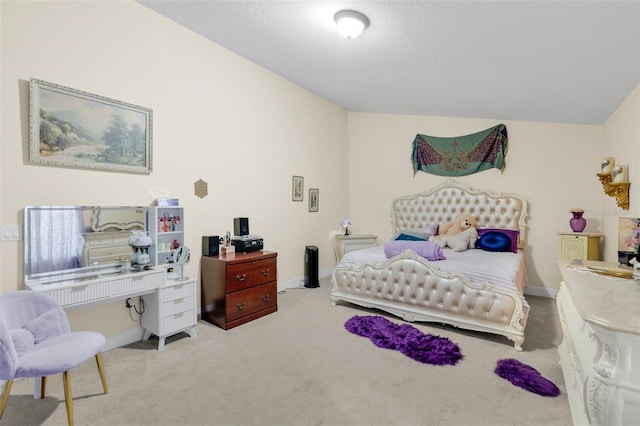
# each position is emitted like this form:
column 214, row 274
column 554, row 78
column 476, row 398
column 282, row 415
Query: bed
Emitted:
column 475, row 289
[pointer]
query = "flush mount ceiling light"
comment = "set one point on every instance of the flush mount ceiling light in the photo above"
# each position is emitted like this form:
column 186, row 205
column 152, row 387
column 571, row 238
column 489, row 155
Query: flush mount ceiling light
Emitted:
column 350, row 23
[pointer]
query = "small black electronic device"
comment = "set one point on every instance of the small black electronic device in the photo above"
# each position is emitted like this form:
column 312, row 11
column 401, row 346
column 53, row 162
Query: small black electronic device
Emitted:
column 311, row 267
column 210, row 245
column 241, row 226
column 247, row 243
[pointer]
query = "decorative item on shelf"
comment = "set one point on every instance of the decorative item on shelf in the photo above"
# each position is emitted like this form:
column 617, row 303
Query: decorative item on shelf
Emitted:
column 606, row 166
column 227, row 248
column 345, row 224
column 140, row 243
column 577, row 222
column 614, row 181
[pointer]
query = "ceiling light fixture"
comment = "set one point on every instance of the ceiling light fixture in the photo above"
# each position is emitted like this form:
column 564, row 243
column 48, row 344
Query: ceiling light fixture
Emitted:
column 350, row 23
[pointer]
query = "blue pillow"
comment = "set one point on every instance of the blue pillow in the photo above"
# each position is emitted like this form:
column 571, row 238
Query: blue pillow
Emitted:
column 408, row 237
column 494, row 241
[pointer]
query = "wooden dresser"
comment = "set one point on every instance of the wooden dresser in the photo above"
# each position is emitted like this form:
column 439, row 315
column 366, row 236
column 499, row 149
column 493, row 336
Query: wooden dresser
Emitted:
column 600, row 349
column 239, row 287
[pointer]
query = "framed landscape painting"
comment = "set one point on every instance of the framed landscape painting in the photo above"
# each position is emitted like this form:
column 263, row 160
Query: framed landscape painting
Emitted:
column 71, row 128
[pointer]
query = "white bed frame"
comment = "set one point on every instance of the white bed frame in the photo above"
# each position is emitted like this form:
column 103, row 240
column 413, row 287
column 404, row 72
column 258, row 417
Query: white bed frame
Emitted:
column 414, row 289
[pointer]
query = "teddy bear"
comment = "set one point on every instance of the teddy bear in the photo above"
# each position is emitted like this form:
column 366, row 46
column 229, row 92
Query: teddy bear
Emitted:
column 460, row 242
column 461, row 223
column 459, row 235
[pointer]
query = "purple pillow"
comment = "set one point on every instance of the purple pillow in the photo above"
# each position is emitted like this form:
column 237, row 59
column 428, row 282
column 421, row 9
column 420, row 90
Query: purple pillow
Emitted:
column 496, row 239
column 426, row 249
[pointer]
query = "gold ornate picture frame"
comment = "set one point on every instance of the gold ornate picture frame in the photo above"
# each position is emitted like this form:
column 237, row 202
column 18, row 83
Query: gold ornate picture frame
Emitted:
column 72, row 128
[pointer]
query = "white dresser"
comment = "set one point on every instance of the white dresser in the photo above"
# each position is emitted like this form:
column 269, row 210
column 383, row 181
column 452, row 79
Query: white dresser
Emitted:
column 169, row 306
column 600, row 349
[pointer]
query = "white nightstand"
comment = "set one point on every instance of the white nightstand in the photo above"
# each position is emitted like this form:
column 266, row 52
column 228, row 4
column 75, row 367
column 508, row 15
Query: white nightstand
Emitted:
column 580, row 245
column 344, row 244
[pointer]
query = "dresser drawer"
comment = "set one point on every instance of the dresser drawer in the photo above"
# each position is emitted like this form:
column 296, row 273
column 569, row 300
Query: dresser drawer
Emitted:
column 178, row 291
column 251, row 300
column 178, row 321
column 249, row 274
column 179, row 305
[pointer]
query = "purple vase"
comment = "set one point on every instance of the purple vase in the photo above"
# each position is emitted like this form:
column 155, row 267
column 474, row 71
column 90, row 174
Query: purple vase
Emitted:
column 577, row 222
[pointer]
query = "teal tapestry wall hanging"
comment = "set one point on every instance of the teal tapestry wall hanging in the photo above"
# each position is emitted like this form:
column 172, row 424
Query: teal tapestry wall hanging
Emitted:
column 461, row 155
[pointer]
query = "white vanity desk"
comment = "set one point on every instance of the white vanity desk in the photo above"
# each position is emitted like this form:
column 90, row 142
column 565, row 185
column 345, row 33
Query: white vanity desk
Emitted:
column 600, row 349
column 170, row 306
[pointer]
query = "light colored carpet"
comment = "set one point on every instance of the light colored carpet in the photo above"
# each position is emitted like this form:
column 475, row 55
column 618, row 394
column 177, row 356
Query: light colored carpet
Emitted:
column 300, row 366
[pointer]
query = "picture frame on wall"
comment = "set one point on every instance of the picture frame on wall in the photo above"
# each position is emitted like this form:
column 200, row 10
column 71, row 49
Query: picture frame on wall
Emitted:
column 76, row 129
column 297, row 188
column 314, row 199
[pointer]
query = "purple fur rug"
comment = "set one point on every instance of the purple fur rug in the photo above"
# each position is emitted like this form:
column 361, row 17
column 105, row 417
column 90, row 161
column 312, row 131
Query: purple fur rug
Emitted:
column 526, row 377
column 406, row 339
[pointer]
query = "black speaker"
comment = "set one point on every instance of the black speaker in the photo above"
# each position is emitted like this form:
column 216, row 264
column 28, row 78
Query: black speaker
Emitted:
column 210, row 245
column 241, row 226
column 311, row 267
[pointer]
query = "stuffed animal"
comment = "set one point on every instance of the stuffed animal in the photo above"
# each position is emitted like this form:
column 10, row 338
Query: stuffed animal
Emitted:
column 461, row 241
column 460, row 224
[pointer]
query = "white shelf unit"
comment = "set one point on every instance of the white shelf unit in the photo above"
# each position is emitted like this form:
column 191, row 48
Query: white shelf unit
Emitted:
column 166, row 228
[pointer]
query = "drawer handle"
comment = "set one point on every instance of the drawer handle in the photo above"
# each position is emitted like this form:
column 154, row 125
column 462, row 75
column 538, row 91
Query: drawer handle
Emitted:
column 241, row 278
column 241, row 306
column 266, row 298
column 265, row 272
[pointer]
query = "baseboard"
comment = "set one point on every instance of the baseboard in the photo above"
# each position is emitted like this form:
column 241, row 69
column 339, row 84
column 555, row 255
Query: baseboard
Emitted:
column 299, row 282
column 129, row 336
column 551, row 293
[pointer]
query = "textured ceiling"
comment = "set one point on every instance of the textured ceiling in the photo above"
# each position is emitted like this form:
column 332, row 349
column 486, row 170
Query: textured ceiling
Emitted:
column 552, row 61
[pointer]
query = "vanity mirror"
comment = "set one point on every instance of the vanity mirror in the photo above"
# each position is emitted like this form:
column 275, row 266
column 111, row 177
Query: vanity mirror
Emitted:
column 63, row 242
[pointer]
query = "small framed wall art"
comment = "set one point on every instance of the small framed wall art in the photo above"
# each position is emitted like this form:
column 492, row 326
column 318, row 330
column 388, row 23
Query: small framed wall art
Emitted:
column 71, row 128
column 297, row 188
column 314, row 198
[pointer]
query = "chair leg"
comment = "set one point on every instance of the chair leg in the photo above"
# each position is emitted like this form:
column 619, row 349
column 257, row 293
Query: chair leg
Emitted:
column 43, row 386
column 5, row 396
column 103, row 378
column 68, row 398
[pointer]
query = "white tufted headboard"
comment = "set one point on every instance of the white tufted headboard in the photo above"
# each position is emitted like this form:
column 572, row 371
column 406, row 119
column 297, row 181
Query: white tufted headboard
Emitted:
column 451, row 198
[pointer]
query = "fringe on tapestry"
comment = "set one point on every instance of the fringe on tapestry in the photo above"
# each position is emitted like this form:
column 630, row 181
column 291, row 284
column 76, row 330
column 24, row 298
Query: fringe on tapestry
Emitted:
column 461, row 155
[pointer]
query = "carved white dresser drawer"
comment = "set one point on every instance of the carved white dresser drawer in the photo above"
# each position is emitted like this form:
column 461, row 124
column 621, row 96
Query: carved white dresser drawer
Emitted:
column 600, row 349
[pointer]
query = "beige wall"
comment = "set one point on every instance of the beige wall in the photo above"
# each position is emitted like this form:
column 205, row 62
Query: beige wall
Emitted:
column 217, row 117
column 552, row 166
column 214, row 111
column 622, row 141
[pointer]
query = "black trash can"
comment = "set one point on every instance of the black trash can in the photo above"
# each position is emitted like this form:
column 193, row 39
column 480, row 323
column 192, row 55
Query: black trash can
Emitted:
column 311, row 267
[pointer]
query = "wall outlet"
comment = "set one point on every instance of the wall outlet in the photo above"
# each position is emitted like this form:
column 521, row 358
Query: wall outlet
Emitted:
column 129, row 303
column 10, row 233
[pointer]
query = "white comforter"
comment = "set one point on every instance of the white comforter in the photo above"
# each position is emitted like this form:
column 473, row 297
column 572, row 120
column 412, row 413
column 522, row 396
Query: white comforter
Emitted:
column 502, row 269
